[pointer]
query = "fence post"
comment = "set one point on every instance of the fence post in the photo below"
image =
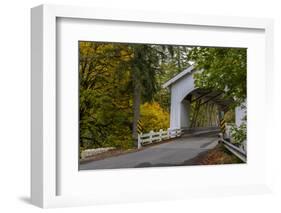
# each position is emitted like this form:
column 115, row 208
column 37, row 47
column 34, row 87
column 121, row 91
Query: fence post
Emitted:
column 139, row 140
column 168, row 133
column 150, row 136
column 179, row 133
column 160, row 134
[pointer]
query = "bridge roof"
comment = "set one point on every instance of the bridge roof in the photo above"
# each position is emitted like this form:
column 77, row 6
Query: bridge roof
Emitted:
column 178, row 76
column 205, row 95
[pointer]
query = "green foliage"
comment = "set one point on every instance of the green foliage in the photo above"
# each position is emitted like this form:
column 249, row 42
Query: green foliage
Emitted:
column 174, row 61
column 145, row 66
column 153, row 117
column 239, row 134
column 225, row 69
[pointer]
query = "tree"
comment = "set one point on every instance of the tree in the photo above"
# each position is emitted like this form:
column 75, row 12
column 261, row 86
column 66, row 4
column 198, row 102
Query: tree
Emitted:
column 174, row 59
column 154, row 117
column 144, row 67
column 152, row 65
column 105, row 109
column 225, row 69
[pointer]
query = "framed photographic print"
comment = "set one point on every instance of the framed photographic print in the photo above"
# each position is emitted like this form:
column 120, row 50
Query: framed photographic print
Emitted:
column 129, row 106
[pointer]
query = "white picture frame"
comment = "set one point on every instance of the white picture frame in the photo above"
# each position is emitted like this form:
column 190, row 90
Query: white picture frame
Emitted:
column 45, row 178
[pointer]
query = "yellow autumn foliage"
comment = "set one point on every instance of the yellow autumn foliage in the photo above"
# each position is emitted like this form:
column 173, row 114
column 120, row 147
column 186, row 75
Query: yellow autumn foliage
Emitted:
column 153, row 117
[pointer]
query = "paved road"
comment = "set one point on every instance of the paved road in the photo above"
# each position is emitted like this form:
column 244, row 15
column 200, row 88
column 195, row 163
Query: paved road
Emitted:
column 174, row 153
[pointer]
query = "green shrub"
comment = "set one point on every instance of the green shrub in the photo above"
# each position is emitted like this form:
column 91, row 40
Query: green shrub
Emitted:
column 239, row 134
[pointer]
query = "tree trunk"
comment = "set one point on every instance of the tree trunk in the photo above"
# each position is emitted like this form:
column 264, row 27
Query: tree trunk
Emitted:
column 136, row 107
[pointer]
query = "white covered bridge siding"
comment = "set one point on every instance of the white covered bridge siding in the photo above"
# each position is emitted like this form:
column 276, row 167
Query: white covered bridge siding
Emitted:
column 182, row 87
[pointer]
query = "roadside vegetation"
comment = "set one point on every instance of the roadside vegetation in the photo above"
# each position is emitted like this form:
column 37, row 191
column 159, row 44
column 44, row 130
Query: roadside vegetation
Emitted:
column 218, row 155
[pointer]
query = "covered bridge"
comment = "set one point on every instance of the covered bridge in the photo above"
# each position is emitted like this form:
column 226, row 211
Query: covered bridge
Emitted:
column 184, row 92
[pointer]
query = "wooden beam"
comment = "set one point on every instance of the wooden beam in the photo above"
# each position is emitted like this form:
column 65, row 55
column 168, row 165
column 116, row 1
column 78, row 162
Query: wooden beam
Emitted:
column 211, row 99
column 201, row 96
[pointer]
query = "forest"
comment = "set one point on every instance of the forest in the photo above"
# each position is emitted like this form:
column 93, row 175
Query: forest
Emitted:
column 121, row 83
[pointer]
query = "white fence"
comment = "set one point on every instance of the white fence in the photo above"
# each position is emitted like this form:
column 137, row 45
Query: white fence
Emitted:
column 154, row 137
